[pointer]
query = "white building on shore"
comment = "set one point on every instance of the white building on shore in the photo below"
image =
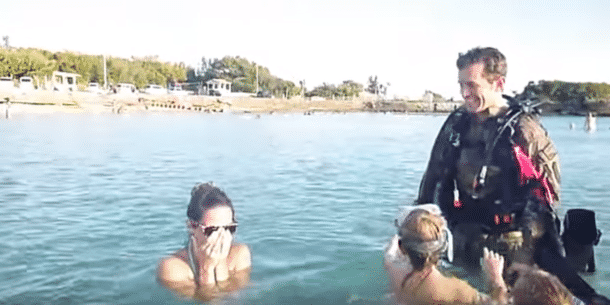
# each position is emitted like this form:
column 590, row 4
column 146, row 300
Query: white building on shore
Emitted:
column 218, row 86
column 64, row 81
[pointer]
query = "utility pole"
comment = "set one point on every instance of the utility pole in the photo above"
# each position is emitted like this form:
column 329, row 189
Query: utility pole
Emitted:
column 256, row 78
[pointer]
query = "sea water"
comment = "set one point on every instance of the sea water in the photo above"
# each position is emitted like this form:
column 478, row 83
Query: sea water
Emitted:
column 90, row 203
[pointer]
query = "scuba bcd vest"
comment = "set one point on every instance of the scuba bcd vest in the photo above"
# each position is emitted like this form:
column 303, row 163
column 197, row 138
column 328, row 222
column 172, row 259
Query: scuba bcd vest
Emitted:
column 521, row 180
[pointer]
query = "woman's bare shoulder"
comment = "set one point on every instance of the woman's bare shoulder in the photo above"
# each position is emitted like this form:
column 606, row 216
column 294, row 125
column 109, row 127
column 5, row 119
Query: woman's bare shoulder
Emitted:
column 174, row 268
column 241, row 257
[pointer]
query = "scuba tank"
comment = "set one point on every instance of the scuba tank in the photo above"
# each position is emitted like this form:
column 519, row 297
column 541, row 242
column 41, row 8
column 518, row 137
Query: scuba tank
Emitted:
column 579, row 236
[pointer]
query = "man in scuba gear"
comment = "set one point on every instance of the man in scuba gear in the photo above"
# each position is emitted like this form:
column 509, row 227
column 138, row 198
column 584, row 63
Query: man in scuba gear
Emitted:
column 494, row 172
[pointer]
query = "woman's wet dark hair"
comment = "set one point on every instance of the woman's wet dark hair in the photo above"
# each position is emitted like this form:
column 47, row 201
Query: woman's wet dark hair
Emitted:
column 205, row 196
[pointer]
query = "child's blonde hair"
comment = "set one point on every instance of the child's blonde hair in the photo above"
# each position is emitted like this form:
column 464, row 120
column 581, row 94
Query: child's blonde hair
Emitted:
column 423, row 237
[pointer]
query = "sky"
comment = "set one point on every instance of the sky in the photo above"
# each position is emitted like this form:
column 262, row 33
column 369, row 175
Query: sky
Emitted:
column 412, row 45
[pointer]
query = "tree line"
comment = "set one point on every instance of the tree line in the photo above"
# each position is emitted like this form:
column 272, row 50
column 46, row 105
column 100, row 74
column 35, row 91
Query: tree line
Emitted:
column 140, row 71
column 245, row 75
column 40, row 64
column 568, row 92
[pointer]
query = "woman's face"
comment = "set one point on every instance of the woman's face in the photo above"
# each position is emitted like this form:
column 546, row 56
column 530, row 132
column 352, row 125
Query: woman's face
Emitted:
column 215, row 219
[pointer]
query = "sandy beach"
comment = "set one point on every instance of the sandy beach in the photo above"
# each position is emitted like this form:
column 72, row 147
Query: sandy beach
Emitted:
column 42, row 101
column 48, row 102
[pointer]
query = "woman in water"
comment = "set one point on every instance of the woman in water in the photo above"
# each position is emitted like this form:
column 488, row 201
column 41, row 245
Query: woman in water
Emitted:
column 412, row 263
column 211, row 263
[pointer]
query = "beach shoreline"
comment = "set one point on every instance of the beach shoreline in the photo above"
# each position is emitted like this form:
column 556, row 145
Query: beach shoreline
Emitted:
column 48, row 102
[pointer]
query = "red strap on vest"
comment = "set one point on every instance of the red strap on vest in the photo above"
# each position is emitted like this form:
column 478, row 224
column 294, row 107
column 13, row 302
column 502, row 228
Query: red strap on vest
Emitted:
column 527, row 171
column 503, row 218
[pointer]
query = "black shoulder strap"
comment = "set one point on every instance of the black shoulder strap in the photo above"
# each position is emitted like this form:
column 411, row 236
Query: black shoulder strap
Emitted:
column 508, row 121
column 516, row 108
column 444, row 155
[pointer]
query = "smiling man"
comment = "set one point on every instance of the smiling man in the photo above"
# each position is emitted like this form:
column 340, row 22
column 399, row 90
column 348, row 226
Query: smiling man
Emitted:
column 494, row 172
column 482, row 81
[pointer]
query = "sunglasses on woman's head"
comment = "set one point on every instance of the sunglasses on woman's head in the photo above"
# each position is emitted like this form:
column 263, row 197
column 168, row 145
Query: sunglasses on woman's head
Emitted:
column 207, row 231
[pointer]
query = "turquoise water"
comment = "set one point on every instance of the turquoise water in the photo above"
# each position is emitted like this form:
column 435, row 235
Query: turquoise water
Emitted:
column 90, row 203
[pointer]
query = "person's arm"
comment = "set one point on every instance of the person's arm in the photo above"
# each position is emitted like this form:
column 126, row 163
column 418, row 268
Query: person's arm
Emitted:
column 214, row 268
column 396, row 264
column 238, row 267
column 493, row 265
column 535, row 141
column 175, row 274
column 240, row 257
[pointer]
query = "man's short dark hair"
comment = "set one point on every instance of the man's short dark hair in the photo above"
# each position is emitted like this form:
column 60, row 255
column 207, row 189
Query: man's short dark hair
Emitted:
column 494, row 60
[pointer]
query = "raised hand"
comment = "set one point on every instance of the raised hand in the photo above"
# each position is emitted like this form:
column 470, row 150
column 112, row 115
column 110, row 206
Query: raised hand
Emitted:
column 225, row 240
column 492, row 266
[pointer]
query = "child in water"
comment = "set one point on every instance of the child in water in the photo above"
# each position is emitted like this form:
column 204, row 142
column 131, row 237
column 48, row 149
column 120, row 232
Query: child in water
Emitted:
column 536, row 286
column 412, row 263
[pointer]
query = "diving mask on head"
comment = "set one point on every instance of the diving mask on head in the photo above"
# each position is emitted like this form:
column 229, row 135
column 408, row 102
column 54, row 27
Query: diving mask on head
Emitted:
column 444, row 243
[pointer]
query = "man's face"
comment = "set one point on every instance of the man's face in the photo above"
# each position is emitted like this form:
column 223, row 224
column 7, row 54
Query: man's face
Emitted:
column 478, row 93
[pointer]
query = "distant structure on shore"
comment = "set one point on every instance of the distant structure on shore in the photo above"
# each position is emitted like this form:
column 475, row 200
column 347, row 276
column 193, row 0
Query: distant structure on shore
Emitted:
column 218, row 87
column 64, row 81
